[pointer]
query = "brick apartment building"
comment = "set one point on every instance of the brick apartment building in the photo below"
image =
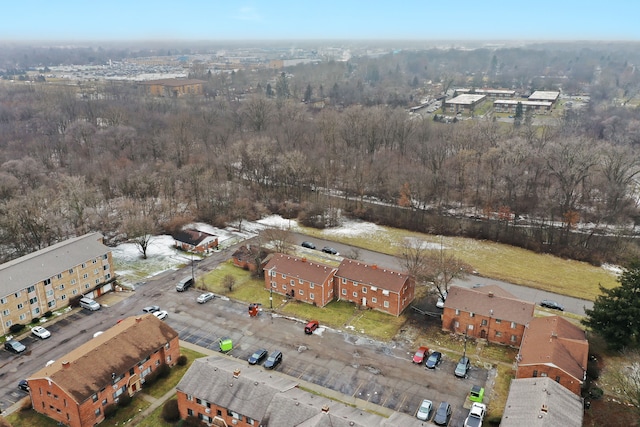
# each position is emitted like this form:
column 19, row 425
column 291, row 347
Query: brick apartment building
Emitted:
column 555, row 348
column 374, row 287
column 47, row 279
column 367, row 285
column 487, row 312
column 173, row 87
column 75, row 389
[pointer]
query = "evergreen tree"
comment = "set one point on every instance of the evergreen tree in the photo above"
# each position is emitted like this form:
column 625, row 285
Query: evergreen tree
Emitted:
column 269, row 91
column 307, row 94
column 616, row 312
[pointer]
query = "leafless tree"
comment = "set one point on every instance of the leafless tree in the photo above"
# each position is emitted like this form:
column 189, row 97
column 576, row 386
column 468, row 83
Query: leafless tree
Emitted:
column 280, row 240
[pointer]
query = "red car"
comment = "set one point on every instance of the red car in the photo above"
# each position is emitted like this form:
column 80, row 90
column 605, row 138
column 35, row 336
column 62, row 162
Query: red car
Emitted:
column 420, row 355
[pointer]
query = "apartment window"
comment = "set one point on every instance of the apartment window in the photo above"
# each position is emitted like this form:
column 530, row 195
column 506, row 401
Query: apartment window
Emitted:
column 344, row 292
column 470, row 327
column 61, row 287
column 105, row 256
column 301, row 292
column 104, row 402
column 513, row 325
column 284, row 276
column 51, row 303
column 84, row 265
column 49, row 292
column 199, row 401
column 17, row 294
column 457, row 312
column 513, row 338
column 75, row 292
column 97, row 412
column 5, row 312
column 310, row 285
column 355, row 295
column 59, row 276
column 20, row 305
column 543, row 374
column 190, row 412
column 484, row 322
column 498, row 334
column 558, row 379
column 471, row 314
column 94, row 261
column 189, row 397
column 386, row 304
column 71, row 271
column 364, row 290
column 105, row 267
column 344, row 280
column 498, row 321
column 292, row 282
column 300, row 281
column 8, row 323
column 97, row 281
column 284, row 287
column 94, row 397
column 3, row 300
column 73, row 281
column 33, row 300
column 63, row 297
column 311, row 296
column 535, row 373
column 374, row 300
column 95, row 271
column 274, row 285
column 86, row 286
column 249, row 421
column 47, row 281
column 23, row 316
column 31, row 288
column 36, row 311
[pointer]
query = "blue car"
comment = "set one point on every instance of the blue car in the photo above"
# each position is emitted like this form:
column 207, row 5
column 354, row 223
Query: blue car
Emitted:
column 258, row 356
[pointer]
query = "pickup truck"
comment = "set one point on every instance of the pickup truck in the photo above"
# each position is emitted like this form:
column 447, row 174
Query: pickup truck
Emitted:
column 476, row 415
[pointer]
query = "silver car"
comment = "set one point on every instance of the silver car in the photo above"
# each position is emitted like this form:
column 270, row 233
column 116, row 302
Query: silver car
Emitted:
column 208, row 296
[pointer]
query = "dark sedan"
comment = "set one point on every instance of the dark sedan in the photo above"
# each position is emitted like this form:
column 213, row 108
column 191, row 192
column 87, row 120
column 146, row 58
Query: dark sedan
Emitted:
column 434, row 360
column 442, row 414
column 551, row 304
column 257, row 357
column 273, row 360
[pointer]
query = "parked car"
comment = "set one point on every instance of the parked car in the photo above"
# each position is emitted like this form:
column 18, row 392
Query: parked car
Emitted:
column 462, row 367
column 477, row 285
column 273, row 360
column 434, row 360
column 551, row 304
column 207, row 296
column 23, row 385
column 311, row 326
column 14, row 346
column 442, row 414
column 424, row 411
column 476, row 394
column 257, row 357
column 225, row 344
column 420, row 355
column 308, row 245
column 162, row 314
column 89, row 304
column 40, row 332
column 476, row 415
column 441, row 300
column 184, row 284
column 151, row 309
column 330, row 250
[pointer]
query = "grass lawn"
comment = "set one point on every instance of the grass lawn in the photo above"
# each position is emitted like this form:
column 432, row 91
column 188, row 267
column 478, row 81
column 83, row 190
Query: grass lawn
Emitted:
column 155, row 420
column 161, row 387
column 489, row 259
column 499, row 393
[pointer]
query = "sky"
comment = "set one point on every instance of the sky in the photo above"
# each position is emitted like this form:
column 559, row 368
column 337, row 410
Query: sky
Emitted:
column 207, row 20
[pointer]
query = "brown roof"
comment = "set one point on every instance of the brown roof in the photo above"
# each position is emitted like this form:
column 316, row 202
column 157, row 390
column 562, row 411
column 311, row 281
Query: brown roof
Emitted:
column 372, row 275
column 192, row 236
column 555, row 341
column 496, row 291
column 490, row 304
column 300, row 268
column 246, row 253
column 116, row 350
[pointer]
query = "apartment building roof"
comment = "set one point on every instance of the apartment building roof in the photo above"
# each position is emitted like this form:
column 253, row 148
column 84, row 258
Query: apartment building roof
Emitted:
column 490, row 302
column 372, row 275
column 555, row 341
column 544, row 95
column 30, row 269
column 90, row 367
column 300, row 268
column 172, row 82
column 466, row 99
column 541, row 402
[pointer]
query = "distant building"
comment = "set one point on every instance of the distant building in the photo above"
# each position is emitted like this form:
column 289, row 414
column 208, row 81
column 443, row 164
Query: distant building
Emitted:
column 541, row 402
column 225, row 392
column 545, row 95
column 48, row 279
column 464, row 103
column 554, row 347
column 173, row 87
column 488, row 312
column 75, row 389
column 491, row 93
column 193, row 240
column 510, row 105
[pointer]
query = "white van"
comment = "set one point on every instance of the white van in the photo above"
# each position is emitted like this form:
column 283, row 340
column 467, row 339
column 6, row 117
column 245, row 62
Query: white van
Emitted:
column 89, row 304
column 184, row 284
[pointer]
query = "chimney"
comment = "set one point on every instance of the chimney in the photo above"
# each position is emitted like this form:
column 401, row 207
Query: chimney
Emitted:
column 375, row 267
column 490, row 294
column 303, row 259
column 544, row 408
column 236, row 373
column 138, row 319
column 554, row 335
column 325, row 408
column 66, row 364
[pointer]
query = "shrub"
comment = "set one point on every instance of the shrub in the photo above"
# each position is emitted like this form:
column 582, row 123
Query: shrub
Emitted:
column 35, row 320
column 192, row 421
column 124, row 400
column 596, row 393
column 75, row 301
column 48, row 314
column 182, row 360
column 170, row 412
column 163, row 371
column 110, row 410
column 150, row 379
column 14, row 329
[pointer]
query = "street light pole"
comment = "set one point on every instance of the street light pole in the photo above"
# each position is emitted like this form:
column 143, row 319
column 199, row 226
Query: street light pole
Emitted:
column 193, row 275
column 271, row 298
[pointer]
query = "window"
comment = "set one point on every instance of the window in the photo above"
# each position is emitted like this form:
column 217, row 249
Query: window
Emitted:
column 17, row 294
column 94, row 397
column 105, row 256
column 97, row 281
column 558, row 379
column 47, row 282
column 300, row 281
column 513, row 325
column 355, row 295
column 49, row 292
column 273, row 285
column 5, row 312
column 344, row 292
column 84, row 265
column 311, row 296
column 189, row 397
column 344, row 280
column 471, row 314
column 374, row 300
column 310, row 285
column 513, row 338
column 272, row 273
column 498, row 334
column 105, row 267
column 386, row 304
column 63, row 297
column 51, row 303
column 104, row 402
column 498, row 321
column 8, row 323
column 199, row 401
column 470, row 327
column 300, row 292
column 292, row 282
column 190, row 412
column 86, row 286
column 23, row 316
column 71, row 271
column 20, row 306
column 284, row 287
column 535, row 373
column 73, row 281
column 95, row 271
column 364, row 290
column 3, row 300
column 35, row 311
column 457, row 311
column 61, row 287
column 33, row 300
column 484, row 322
column 283, row 276
column 97, row 412
column 94, row 261
column 31, row 288
column 543, row 374
column 59, row 276
column 75, row 292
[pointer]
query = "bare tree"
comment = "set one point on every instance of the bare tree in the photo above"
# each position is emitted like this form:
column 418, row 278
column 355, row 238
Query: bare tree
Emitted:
column 280, row 240
column 626, row 381
column 228, row 282
column 140, row 231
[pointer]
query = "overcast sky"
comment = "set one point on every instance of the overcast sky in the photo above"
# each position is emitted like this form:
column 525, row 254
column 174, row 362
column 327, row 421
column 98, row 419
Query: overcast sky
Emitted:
column 320, row 19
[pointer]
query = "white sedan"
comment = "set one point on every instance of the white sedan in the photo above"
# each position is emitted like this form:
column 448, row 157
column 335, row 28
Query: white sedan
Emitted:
column 40, row 332
column 205, row 297
column 162, row 314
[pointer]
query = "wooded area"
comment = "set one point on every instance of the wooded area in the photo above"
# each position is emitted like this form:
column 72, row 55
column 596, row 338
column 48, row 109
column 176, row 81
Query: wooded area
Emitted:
column 103, row 156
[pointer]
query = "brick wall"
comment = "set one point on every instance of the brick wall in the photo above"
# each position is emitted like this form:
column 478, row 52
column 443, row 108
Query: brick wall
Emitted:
column 558, row 375
column 499, row 331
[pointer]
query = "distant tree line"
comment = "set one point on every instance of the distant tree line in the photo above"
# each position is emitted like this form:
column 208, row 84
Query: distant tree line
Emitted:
column 105, row 157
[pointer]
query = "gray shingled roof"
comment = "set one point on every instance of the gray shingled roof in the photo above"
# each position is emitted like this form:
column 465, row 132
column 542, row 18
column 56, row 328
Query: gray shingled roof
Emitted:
column 30, row 269
column 541, row 402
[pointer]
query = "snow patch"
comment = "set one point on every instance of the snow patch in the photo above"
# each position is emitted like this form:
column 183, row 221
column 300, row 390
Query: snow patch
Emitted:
column 616, row 269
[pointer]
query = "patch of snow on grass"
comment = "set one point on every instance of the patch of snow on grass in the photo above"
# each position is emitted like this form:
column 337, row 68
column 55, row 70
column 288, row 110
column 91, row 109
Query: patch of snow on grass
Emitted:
column 354, row 228
column 615, row 269
column 414, row 242
column 278, row 222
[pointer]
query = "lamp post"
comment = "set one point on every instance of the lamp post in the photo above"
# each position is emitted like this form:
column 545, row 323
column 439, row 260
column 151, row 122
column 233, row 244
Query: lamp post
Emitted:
column 271, row 298
column 193, row 274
